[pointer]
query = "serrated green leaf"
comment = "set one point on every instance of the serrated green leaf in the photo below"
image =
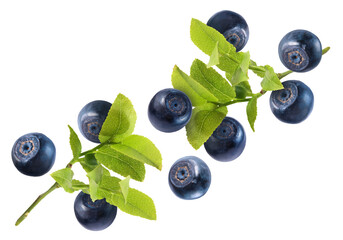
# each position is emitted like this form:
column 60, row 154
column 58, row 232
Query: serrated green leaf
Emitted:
column 205, row 119
column 89, row 162
column 78, row 185
column 241, row 72
column 252, row 111
column 120, row 163
column 198, row 94
column 124, row 187
column 137, row 203
column 214, row 58
column 271, row 82
column 206, row 38
column 259, row 70
column 64, row 178
column 212, row 81
column 75, row 143
column 95, row 178
column 243, row 90
column 120, row 121
column 141, row 149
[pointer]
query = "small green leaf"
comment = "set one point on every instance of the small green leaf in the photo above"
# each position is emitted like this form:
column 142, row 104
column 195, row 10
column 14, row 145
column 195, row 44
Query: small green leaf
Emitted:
column 137, row 203
column 78, row 185
column 89, row 162
column 214, row 58
column 243, row 90
column 205, row 119
column 252, row 111
column 241, row 72
column 75, row 144
column 95, row 178
column 64, row 178
column 206, row 38
column 258, row 70
column 120, row 121
column 141, row 149
column 124, row 186
column 271, row 82
column 212, row 81
column 198, row 94
column 120, row 163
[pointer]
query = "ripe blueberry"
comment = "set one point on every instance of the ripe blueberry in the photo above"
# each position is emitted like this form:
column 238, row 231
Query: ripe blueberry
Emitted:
column 33, row 154
column 294, row 103
column 227, row 142
column 189, row 178
column 91, row 118
column 300, row 51
column 233, row 26
column 96, row 215
column 169, row 110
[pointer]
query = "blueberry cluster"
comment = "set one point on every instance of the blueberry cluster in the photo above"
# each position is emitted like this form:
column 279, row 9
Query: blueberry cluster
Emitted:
column 34, row 154
column 170, row 109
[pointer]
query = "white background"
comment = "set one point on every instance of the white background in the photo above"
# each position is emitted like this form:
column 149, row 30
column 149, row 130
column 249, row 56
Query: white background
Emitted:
column 56, row 56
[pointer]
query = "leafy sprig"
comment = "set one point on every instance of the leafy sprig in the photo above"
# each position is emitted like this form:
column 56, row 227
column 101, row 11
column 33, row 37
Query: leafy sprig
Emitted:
column 210, row 92
column 120, row 152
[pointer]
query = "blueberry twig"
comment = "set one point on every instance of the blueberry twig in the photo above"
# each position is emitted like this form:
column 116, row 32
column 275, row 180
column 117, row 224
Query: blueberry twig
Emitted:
column 55, row 185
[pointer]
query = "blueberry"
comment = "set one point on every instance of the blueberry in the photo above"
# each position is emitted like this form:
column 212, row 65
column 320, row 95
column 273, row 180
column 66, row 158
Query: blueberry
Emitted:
column 169, row 110
column 227, row 142
column 300, row 51
column 294, row 103
column 189, row 178
column 233, row 26
column 91, row 118
column 96, row 215
column 33, row 154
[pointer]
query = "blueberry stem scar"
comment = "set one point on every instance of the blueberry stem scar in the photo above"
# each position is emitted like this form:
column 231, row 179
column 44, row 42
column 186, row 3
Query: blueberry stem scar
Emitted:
column 56, row 185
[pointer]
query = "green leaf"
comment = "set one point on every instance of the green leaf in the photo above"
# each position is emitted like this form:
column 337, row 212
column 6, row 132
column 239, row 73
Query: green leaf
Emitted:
column 252, row 111
column 95, row 178
column 78, row 185
column 205, row 119
column 89, row 162
column 75, row 143
column 141, row 149
column 241, row 72
column 124, row 186
column 64, row 178
column 120, row 121
column 120, row 163
column 212, row 81
column 271, row 82
column 137, row 203
column 214, row 58
column 258, row 70
column 198, row 94
column 243, row 89
column 206, row 38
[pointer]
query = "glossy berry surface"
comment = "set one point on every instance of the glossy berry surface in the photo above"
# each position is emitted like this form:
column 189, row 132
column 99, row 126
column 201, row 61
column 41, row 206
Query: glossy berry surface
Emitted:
column 227, row 142
column 96, row 215
column 169, row 110
column 233, row 26
column 300, row 51
column 294, row 103
column 189, row 178
column 91, row 118
column 33, row 154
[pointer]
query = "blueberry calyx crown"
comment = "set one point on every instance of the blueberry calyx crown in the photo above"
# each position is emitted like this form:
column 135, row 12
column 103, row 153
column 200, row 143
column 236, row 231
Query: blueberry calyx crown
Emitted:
column 26, row 147
column 176, row 104
column 296, row 59
column 285, row 97
column 181, row 174
column 225, row 130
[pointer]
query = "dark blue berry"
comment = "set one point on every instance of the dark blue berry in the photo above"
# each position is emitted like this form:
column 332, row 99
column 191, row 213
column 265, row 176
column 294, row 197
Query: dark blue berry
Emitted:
column 294, row 103
column 227, row 142
column 233, row 26
column 33, row 154
column 189, row 178
column 91, row 118
column 300, row 51
column 96, row 215
column 169, row 110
